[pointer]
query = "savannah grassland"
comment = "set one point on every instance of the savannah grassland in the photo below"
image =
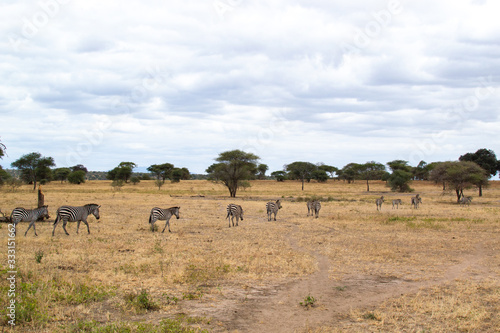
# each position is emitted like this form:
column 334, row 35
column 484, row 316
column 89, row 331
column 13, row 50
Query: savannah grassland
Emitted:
column 354, row 269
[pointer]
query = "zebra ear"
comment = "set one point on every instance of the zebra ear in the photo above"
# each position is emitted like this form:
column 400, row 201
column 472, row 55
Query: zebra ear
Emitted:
column 99, row 206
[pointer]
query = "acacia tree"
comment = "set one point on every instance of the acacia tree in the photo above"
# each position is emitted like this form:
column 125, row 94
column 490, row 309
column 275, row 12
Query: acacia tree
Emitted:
column 349, row 172
column 2, row 150
column 33, row 167
column 61, row 174
column 371, row 171
column 161, row 171
column 122, row 172
column 486, row 159
column 401, row 176
column 301, row 171
column 233, row 168
column 459, row 175
column 3, row 174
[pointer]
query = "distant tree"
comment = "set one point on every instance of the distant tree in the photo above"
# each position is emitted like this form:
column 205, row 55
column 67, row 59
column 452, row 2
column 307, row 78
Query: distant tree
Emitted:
column 61, row 174
column 77, row 177
column 399, row 165
column 328, row 169
column 460, row 175
column 162, row 171
column 371, row 171
column 233, row 168
column 176, row 175
column 486, row 159
column 262, row 169
column 79, row 167
column 135, row 180
column 320, row 175
column 34, row 167
column 122, row 172
column 301, row 171
column 400, row 180
column 350, row 172
column 279, row 175
column 422, row 170
column 159, row 183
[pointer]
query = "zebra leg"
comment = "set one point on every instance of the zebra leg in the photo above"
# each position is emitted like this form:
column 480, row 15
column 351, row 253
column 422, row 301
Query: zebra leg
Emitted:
column 64, row 227
column 87, row 224
column 29, row 227
column 77, row 226
column 167, row 224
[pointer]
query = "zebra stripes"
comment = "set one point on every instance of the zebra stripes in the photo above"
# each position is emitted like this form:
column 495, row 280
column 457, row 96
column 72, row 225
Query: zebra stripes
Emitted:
column 272, row 208
column 396, row 202
column 415, row 201
column 379, row 202
column 313, row 207
column 75, row 214
column 234, row 211
column 20, row 214
column 163, row 215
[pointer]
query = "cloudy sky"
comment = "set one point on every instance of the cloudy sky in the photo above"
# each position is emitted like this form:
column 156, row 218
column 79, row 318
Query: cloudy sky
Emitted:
column 101, row 82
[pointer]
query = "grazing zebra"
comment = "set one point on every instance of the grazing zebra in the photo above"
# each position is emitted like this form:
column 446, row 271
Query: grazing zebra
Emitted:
column 28, row 215
column 163, row 215
column 313, row 207
column 465, row 201
column 415, row 201
column 272, row 208
column 379, row 202
column 75, row 214
column 232, row 212
column 396, row 203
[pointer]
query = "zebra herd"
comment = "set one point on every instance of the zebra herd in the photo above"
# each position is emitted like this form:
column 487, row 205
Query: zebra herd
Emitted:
column 80, row 213
column 414, row 202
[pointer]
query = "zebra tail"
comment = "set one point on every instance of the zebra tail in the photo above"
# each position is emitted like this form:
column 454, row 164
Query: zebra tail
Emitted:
column 56, row 220
column 149, row 218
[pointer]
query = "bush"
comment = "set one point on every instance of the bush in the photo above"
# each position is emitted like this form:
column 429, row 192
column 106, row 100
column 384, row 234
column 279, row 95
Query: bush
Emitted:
column 76, row 177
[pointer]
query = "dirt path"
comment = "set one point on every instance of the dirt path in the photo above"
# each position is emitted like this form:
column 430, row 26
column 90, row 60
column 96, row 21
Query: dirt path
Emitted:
column 276, row 308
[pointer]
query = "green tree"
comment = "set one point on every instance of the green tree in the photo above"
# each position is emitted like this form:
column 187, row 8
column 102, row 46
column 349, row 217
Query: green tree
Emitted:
column 4, row 176
column 400, row 180
column 34, row 167
column 422, row 170
column 350, row 172
column 77, row 177
column 61, row 174
column 279, row 175
column 486, row 159
column 371, row 171
column 262, row 169
column 301, row 171
column 460, row 175
column 233, row 168
column 79, row 167
column 320, row 175
column 161, row 171
column 122, row 172
column 328, row 169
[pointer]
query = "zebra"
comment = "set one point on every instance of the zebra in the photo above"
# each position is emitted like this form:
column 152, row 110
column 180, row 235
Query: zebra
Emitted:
column 465, row 201
column 75, row 214
column 379, row 202
column 163, row 215
column 415, row 201
column 272, row 208
column 313, row 207
column 20, row 214
column 396, row 203
column 233, row 211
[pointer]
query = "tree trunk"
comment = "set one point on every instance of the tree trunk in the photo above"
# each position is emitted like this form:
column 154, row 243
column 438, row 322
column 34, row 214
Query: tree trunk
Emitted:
column 458, row 195
column 367, row 186
column 302, row 184
column 41, row 200
column 480, row 190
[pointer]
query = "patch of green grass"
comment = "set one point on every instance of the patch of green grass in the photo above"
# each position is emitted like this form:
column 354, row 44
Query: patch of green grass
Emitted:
column 38, row 256
column 165, row 326
column 308, row 302
column 399, row 219
column 141, row 301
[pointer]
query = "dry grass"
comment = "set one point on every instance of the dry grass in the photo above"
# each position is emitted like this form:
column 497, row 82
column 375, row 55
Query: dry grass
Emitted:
column 84, row 280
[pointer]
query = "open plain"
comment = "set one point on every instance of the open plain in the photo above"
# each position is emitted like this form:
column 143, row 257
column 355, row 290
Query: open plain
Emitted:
column 353, row 269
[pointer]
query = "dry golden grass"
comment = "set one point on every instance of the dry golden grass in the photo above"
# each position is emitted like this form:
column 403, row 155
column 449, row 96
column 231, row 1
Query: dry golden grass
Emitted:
column 101, row 276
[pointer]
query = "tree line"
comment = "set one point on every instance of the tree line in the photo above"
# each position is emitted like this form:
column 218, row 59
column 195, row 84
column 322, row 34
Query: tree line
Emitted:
column 235, row 168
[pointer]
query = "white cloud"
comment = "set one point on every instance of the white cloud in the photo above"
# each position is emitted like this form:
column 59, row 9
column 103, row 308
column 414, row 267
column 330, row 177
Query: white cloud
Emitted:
column 182, row 81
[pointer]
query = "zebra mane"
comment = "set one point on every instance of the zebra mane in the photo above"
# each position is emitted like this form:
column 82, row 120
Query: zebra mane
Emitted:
column 92, row 204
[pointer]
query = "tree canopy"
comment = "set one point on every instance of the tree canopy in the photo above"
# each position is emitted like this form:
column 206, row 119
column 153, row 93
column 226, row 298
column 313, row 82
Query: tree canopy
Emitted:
column 301, row 171
column 233, row 168
column 34, row 167
column 459, row 175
